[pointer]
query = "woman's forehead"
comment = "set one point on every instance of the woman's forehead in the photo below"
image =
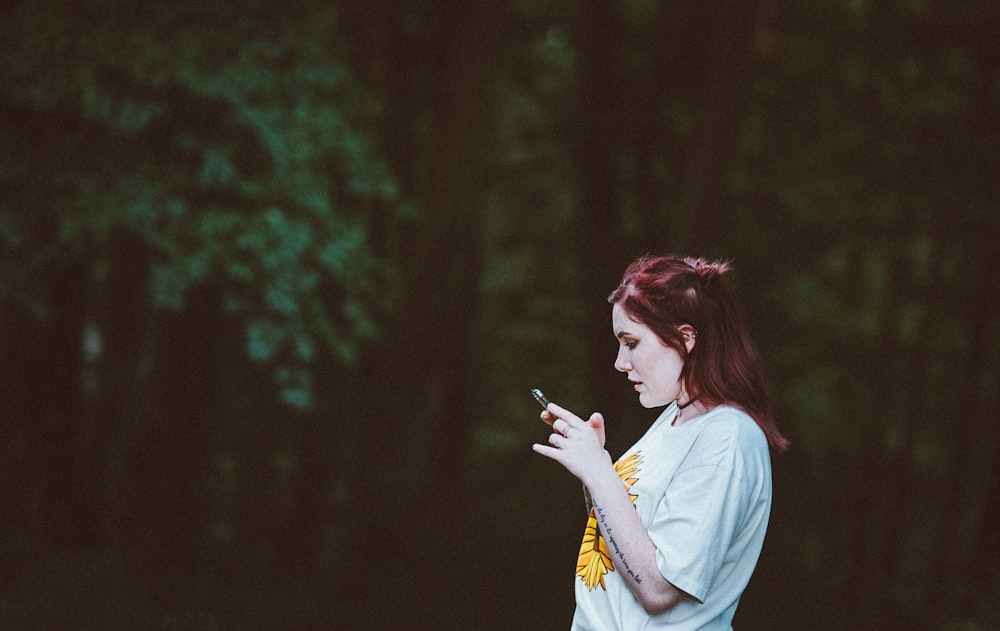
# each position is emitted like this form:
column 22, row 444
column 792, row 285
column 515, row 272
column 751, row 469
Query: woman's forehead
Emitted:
column 623, row 323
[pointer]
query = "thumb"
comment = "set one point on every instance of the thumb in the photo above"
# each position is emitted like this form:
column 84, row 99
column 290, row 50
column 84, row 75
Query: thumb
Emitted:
column 596, row 422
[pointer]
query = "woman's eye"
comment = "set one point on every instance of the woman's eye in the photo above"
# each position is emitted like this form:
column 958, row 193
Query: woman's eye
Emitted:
column 631, row 345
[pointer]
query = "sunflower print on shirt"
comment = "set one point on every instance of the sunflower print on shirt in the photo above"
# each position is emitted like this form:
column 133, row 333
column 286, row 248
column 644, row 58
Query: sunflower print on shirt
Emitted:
column 594, row 561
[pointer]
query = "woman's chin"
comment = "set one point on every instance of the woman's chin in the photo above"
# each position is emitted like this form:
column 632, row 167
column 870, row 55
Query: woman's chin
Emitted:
column 649, row 402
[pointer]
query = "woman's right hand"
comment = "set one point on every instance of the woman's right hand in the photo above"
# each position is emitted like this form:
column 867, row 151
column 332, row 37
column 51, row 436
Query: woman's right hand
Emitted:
column 577, row 444
column 596, row 423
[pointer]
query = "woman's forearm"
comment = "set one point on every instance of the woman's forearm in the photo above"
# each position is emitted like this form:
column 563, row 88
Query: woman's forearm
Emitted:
column 632, row 551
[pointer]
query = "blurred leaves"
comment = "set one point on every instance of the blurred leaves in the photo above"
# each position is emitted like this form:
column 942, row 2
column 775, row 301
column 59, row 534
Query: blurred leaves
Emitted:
column 227, row 138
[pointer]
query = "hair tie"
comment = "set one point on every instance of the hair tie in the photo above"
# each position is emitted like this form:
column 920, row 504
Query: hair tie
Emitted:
column 708, row 272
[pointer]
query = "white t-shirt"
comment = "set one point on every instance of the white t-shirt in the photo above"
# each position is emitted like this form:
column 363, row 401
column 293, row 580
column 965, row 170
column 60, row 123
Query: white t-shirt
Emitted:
column 703, row 491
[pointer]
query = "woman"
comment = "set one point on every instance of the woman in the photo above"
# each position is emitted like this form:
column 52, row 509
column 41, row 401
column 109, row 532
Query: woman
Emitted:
column 677, row 524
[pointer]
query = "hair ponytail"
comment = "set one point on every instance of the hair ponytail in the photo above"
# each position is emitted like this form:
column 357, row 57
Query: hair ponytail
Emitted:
column 708, row 272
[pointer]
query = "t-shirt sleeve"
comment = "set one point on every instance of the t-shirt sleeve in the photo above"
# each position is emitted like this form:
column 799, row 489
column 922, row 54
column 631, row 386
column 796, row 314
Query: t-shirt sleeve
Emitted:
column 695, row 522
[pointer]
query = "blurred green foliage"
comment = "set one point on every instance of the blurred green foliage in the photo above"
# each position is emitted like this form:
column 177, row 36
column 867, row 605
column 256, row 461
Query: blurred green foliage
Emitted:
column 228, row 140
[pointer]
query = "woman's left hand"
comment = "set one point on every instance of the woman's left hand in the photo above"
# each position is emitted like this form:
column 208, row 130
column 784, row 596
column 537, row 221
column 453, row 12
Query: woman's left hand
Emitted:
column 574, row 443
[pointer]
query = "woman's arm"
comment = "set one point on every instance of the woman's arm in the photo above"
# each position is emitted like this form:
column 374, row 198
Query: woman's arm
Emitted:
column 576, row 445
column 628, row 541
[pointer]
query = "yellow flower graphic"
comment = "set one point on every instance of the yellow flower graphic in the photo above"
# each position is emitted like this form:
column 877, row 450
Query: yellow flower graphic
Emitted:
column 594, row 561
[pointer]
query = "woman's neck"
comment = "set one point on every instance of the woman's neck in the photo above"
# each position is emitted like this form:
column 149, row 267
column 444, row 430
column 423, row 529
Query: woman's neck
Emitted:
column 689, row 410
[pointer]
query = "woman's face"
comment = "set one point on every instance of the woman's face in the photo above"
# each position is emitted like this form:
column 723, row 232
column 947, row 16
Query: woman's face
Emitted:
column 653, row 367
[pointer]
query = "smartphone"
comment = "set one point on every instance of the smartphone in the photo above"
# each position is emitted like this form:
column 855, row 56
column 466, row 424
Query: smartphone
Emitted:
column 540, row 397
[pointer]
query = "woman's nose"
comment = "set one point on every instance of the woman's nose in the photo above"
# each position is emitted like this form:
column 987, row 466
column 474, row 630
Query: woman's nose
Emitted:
column 621, row 364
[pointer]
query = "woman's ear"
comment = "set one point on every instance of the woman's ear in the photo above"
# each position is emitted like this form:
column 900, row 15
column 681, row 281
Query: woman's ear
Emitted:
column 689, row 334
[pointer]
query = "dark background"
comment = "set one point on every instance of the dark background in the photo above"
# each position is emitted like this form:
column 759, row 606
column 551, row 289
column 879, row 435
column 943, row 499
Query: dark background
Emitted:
column 276, row 278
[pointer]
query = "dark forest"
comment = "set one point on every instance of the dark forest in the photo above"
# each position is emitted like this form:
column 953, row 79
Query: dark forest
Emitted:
column 276, row 279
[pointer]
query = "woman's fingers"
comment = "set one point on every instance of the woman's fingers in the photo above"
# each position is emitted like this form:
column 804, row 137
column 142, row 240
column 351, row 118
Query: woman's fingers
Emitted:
column 564, row 414
column 548, row 417
column 596, row 422
column 546, row 450
column 564, row 422
column 564, row 428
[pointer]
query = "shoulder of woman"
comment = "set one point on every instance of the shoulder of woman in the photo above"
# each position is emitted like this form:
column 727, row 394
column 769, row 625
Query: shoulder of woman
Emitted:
column 728, row 431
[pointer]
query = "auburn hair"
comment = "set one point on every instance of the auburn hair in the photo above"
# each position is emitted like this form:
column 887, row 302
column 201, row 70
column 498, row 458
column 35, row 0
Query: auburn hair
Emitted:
column 666, row 292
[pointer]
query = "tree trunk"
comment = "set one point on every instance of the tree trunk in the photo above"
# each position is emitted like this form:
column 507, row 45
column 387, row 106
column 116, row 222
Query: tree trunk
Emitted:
column 597, row 145
column 700, row 227
column 429, row 360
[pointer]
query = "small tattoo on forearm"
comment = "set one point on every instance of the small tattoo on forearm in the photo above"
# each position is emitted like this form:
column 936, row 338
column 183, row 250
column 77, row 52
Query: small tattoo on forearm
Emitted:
column 614, row 544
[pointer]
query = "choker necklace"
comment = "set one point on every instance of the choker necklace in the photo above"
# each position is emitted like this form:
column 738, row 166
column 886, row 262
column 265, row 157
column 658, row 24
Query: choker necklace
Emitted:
column 680, row 409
